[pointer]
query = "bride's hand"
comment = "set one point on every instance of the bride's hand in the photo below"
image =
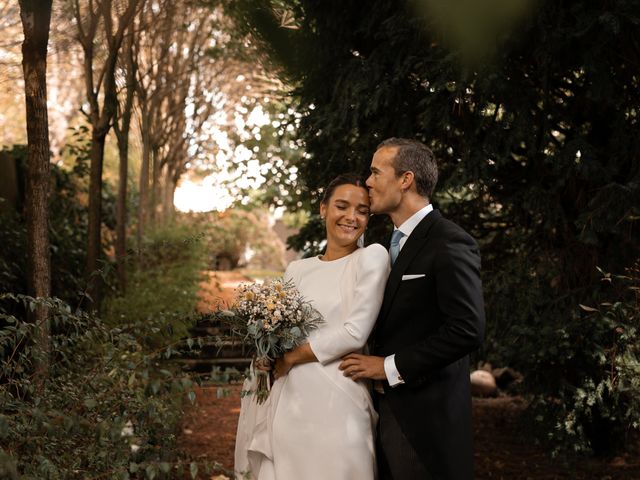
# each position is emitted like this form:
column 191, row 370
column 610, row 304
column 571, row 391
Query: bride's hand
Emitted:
column 282, row 366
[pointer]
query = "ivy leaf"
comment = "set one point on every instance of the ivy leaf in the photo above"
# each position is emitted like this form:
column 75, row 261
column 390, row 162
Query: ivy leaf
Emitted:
column 4, row 427
column 155, row 387
column 193, row 469
column 151, row 472
column 587, row 309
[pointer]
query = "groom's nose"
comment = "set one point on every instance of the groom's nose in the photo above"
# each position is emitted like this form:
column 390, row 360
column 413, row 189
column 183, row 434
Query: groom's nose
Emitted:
column 367, row 182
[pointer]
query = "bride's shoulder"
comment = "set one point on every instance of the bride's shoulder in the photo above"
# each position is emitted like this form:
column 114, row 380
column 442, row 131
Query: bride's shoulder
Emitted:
column 297, row 265
column 376, row 249
column 374, row 253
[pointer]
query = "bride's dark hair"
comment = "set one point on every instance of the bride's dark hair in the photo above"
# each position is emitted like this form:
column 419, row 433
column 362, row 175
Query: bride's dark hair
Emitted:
column 342, row 179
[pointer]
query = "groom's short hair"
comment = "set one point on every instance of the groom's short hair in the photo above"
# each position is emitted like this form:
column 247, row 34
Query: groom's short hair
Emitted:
column 414, row 156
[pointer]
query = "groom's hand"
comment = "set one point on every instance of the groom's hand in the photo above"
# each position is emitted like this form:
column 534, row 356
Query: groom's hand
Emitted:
column 356, row 366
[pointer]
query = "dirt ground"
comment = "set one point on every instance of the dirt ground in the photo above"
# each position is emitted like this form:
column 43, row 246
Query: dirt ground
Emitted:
column 504, row 449
column 218, row 289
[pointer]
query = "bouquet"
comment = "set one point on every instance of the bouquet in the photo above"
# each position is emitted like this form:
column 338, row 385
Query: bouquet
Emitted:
column 273, row 318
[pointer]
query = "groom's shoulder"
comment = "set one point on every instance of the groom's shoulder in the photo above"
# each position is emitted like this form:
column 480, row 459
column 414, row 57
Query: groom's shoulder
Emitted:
column 448, row 229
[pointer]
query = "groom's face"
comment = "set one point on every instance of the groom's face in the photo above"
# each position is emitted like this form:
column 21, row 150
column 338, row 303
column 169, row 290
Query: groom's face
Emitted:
column 384, row 186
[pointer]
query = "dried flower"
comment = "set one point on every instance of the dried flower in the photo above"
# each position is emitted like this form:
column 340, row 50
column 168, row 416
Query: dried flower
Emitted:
column 274, row 317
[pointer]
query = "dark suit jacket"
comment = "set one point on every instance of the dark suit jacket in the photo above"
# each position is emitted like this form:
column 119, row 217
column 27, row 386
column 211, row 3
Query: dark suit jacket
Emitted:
column 431, row 324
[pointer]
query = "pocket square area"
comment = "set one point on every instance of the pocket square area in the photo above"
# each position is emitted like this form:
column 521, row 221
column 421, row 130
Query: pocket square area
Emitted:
column 412, row 277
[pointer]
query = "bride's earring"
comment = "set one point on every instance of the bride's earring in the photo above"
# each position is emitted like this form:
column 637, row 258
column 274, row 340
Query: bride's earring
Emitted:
column 360, row 242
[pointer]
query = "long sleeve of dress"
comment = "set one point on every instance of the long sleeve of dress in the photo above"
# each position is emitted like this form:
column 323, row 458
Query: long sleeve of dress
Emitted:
column 372, row 270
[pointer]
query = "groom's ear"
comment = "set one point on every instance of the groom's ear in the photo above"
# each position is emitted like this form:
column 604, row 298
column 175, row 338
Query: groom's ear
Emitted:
column 407, row 180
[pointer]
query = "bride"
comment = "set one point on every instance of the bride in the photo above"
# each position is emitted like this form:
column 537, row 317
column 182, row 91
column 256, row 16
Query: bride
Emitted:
column 317, row 423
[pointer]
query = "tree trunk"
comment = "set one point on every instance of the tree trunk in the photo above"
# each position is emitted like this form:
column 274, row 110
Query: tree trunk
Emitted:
column 36, row 19
column 99, row 15
column 155, row 186
column 122, row 134
column 94, row 246
column 143, row 203
column 121, row 208
column 169, row 190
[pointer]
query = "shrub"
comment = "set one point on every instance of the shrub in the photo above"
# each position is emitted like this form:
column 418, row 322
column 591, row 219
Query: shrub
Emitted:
column 583, row 373
column 163, row 283
column 108, row 408
column 68, row 224
column 231, row 234
column 112, row 402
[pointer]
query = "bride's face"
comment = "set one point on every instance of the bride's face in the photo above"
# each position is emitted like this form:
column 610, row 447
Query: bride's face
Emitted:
column 346, row 214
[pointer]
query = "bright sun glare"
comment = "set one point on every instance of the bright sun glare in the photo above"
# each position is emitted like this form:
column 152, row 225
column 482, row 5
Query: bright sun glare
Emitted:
column 213, row 192
column 202, row 197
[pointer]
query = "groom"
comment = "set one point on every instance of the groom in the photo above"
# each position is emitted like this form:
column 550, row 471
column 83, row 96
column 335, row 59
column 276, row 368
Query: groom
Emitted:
column 431, row 318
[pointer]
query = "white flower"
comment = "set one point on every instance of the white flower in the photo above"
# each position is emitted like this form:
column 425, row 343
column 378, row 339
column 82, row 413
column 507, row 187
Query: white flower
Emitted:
column 127, row 430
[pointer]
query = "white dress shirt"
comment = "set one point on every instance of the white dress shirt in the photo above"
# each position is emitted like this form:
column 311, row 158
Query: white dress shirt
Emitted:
column 390, row 370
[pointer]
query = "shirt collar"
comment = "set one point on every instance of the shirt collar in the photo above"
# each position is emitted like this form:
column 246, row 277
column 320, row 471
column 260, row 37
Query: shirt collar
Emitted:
column 412, row 222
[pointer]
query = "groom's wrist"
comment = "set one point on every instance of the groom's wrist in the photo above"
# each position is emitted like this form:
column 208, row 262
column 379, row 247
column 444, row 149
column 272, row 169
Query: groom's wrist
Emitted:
column 393, row 375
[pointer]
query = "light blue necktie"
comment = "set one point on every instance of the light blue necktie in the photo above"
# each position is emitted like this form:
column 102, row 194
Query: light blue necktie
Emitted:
column 394, row 247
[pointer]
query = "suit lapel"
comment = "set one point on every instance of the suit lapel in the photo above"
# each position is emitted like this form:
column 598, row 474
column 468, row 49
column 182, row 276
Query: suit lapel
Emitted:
column 405, row 257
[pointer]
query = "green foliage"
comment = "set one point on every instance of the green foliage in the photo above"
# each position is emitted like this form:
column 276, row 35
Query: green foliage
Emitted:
column 13, row 232
column 13, row 238
column 68, row 220
column 585, row 374
column 537, row 148
column 163, row 283
column 109, row 407
column 509, row 133
column 112, row 402
column 278, row 151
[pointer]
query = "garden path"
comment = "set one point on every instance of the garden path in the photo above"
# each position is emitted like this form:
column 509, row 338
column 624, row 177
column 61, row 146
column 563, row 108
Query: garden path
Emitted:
column 504, row 447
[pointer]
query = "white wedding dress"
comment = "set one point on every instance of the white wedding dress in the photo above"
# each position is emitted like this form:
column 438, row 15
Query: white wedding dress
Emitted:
column 317, row 423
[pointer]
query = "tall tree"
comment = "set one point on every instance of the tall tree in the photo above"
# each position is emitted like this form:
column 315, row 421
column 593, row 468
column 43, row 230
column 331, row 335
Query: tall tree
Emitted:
column 95, row 23
column 152, row 52
column 122, row 127
column 172, row 57
column 540, row 140
column 538, row 148
column 187, row 109
column 36, row 19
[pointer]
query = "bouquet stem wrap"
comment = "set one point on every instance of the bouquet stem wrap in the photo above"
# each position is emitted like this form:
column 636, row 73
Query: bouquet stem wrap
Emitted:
column 263, row 385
